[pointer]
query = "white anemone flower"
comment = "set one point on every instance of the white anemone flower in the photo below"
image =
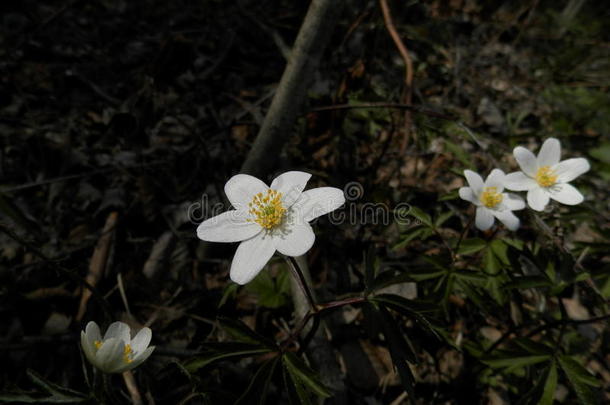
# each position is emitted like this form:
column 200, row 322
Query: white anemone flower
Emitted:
column 544, row 177
column 490, row 200
column 266, row 219
column 116, row 352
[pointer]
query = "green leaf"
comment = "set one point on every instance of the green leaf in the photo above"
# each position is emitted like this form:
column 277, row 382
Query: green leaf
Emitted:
column 413, row 233
column 470, row 246
column 272, row 293
column 302, row 374
column 221, row 351
column 472, row 276
column 581, row 380
column 529, row 282
column 550, row 386
column 406, row 307
column 532, row 347
column 229, row 291
column 256, row 393
column 243, row 334
column 500, row 249
column 421, row 215
column 401, row 350
column 459, row 152
column 442, row 218
column 511, row 362
column 57, row 393
column 370, row 268
column 490, row 261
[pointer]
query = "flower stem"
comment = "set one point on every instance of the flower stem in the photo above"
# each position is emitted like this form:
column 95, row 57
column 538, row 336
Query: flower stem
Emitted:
column 294, row 266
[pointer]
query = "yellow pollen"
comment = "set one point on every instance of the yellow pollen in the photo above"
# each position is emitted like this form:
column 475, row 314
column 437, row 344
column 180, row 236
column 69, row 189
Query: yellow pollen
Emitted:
column 545, row 176
column 127, row 353
column 490, row 197
column 267, row 209
column 98, row 344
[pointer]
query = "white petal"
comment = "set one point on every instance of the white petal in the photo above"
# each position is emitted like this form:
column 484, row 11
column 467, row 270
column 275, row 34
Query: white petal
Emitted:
column 139, row 359
column 566, row 194
column 291, row 185
column 110, row 355
column 474, row 181
column 508, row 219
column 88, row 349
column 296, row 241
column 512, row 202
column 484, row 219
column 241, row 188
column 119, row 330
column 230, row 226
column 519, row 181
column 495, row 179
column 537, row 198
column 251, row 256
column 527, row 160
column 550, row 153
column 570, row 169
column 467, row 194
column 141, row 341
column 92, row 332
column 318, row 201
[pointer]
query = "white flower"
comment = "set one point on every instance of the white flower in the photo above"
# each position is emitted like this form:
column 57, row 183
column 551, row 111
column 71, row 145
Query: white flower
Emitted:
column 116, row 352
column 266, row 219
column 545, row 177
column 490, row 200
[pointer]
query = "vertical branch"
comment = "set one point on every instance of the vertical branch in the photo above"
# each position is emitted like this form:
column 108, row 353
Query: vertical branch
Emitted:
column 404, row 53
column 291, row 93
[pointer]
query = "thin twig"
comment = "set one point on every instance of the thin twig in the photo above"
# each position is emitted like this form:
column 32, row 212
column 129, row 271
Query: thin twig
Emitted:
column 404, row 53
column 401, row 106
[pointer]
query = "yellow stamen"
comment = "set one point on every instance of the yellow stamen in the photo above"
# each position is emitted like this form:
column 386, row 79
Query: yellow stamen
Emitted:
column 546, row 177
column 267, row 209
column 127, row 353
column 490, row 197
column 98, row 344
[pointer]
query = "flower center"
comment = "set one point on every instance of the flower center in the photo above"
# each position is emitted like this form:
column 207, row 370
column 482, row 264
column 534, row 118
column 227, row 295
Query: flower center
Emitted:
column 127, row 354
column 267, row 209
column 127, row 351
column 490, row 197
column 545, row 176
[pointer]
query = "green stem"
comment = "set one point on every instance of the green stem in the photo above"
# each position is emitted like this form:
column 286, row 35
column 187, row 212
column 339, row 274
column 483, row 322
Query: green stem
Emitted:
column 296, row 270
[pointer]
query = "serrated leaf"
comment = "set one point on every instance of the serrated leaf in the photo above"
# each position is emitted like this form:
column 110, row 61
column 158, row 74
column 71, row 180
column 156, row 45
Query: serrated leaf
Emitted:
column 301, row 373
column 470, row 246
column 221, row 351
column 256, row 393
column 271, row 292
column 581, row 380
